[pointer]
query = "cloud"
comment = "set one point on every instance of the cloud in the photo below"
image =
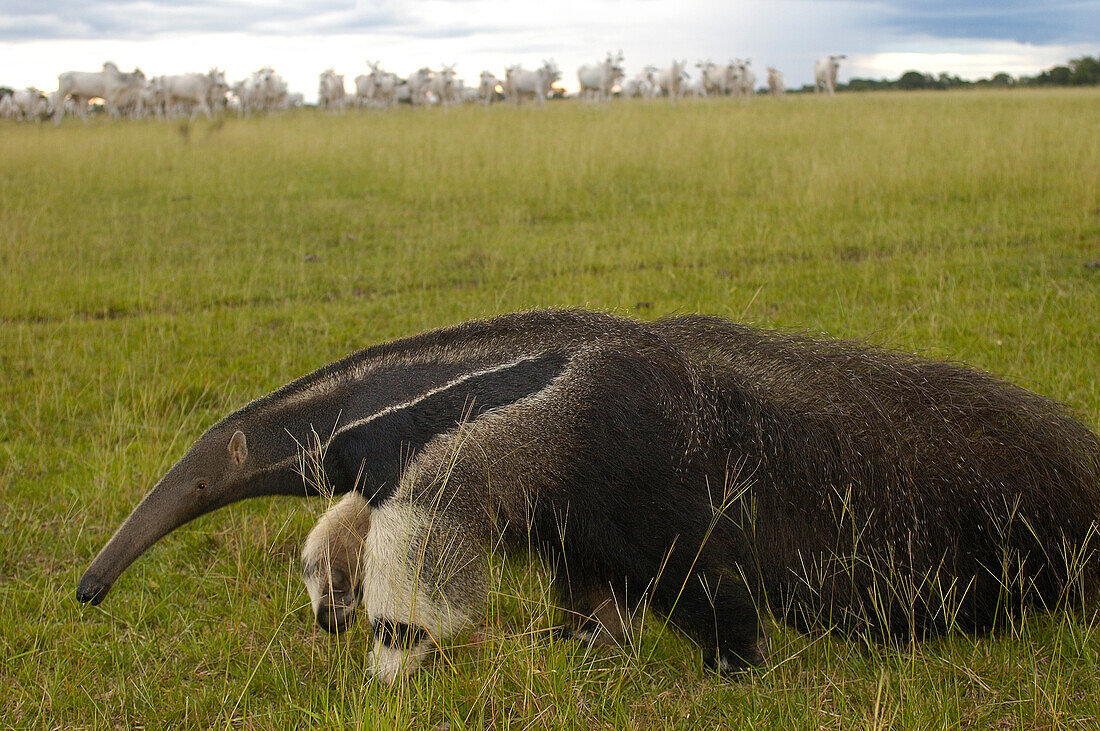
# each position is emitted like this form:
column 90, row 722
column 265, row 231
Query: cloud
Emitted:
column 38, row 40
column 140, row 19
column 1021, row 21
column 968, row 60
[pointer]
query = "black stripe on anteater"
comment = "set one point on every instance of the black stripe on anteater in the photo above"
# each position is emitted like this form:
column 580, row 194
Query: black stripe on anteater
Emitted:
column 398, row 635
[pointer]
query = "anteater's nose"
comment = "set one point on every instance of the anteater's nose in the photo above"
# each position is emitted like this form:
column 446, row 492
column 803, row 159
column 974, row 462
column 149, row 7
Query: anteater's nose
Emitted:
column 91, row 590
column 334, row 618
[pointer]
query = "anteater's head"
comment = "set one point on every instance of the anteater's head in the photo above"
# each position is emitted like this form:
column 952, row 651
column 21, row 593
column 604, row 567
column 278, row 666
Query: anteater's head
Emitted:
column 215, row 472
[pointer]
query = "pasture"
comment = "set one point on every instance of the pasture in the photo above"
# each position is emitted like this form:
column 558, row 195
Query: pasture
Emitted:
column 156, row 276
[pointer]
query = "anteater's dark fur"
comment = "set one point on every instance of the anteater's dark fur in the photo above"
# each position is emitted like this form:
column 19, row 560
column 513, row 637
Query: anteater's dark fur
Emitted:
column 719, row 469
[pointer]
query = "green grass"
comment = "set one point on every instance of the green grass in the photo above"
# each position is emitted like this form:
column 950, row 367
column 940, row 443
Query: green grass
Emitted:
column 154, row 280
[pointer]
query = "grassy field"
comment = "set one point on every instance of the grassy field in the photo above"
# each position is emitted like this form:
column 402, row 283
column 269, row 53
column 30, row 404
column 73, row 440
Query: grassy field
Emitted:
column 155, row 276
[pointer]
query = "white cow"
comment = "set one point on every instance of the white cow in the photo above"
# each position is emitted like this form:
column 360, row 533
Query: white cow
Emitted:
column 330, row 90
column 268, row 90
column 693, row 89
column 364, row 90
column 388, row 84
column 825, row 73
column 442, row 85
column 520, row 83
column 152, row 99
column 114, row 87
column 670, row 81
column 7, row 107
column 467, row 94
column 218, row 97
column 487, row 87
column 258, row 83
column 263, row 91
column 278, row 93
column 746, row 78
column 80, row 87
column 27, row 104
column 726, row 79
column 716, row 80
column 598, row 79
column 53, row 100
column 509, row 83
column 273, row 90
column 192, row 93
column 122, row 89
column 380, row 87
column 641, row 86
column 242, row 92
column 776, row 87
column 417, row 87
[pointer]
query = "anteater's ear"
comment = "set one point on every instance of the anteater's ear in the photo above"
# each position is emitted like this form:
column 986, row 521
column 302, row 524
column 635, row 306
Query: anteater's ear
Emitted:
column 238, row 448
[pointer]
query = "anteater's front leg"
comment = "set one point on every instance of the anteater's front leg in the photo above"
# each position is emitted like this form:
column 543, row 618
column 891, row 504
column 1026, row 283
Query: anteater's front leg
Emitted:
column 332, row 562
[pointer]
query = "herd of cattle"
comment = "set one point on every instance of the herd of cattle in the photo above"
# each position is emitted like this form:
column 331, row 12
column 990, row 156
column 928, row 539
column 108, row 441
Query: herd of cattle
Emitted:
column 132, row 94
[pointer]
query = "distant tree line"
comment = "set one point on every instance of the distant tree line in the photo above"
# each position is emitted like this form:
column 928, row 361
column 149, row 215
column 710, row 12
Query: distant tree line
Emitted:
column 1084, row 71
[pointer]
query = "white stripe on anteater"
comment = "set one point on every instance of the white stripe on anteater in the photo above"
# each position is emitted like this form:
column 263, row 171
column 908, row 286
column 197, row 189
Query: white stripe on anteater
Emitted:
column 295, row 458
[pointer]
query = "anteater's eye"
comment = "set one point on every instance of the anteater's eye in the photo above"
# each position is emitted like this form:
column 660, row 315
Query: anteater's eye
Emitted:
column 200, row 485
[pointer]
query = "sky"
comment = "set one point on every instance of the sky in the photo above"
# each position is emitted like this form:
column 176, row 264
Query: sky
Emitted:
column 882, row 38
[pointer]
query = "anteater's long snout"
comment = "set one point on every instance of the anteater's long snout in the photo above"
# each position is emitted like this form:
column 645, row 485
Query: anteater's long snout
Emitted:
column 158, row 514
column 140, row 531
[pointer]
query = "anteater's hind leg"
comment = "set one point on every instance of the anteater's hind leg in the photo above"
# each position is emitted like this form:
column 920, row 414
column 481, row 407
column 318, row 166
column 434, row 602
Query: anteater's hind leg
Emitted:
column 719, row 613
column 331, row 562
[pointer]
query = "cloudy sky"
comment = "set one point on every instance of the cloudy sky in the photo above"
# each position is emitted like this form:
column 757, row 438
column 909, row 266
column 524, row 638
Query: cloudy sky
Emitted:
column 971, row 38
